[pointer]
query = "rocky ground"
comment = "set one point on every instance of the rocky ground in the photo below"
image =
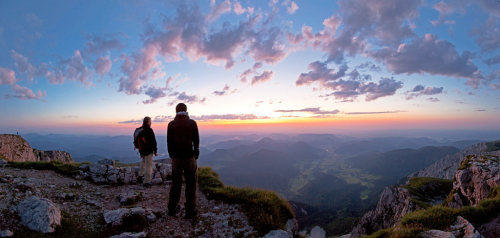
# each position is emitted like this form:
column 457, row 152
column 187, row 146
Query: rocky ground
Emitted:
column 86, row 202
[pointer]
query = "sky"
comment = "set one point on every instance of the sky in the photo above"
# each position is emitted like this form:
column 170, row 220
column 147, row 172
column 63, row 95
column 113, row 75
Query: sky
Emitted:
column 100, row 67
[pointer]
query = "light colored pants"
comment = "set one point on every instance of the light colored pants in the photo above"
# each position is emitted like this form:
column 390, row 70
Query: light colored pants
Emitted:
column 146, row 167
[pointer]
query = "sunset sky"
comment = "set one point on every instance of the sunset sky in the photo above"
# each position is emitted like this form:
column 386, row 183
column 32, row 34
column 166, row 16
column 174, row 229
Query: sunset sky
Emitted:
column 99, row 67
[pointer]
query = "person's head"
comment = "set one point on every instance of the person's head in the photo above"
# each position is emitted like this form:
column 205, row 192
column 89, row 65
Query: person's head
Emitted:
column 146, row 121
column 181, row 107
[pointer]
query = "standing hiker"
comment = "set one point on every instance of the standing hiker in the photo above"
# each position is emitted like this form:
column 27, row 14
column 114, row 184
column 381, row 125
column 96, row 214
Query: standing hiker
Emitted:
column 145, row 141
column 183, row 142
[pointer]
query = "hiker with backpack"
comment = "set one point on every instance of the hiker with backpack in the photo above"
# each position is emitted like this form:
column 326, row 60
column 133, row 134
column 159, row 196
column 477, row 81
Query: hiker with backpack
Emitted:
column 183, row 143
column 145, row 142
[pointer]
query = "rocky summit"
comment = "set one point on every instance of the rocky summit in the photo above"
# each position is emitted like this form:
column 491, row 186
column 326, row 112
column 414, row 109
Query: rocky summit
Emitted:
column 14, row 148
column 474, row 179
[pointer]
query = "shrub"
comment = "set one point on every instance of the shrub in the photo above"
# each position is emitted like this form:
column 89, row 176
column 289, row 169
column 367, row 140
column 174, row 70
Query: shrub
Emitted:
column 264, row 208
column 434, row 218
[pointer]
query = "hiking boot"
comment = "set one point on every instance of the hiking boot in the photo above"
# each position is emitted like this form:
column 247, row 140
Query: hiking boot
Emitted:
column 191, row 214
column 171, row 212
column 147, row 185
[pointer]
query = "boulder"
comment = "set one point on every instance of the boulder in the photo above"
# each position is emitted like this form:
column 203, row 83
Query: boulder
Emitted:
column 490, row 229
column 106, row 162
column 473, row 180
column 15, row 148
column 2, row 162
column 129, row 176
column 277, row 234
column 157, row 181
column 84, row 167
column 98, row 173
column 460, row 228
column 317, row 232
column 130, row 235
column 6, row 233
column 39, row 214
column 53, row 155
column 92, row 203
column 115, row 217
column 128, row 198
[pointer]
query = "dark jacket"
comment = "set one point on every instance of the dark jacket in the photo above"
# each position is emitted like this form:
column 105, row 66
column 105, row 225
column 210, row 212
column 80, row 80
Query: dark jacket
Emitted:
column 183, row 140
column 150, row 139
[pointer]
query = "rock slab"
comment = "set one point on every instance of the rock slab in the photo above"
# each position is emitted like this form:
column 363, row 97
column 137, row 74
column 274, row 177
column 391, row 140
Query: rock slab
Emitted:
column 39, row 214
column 15, row 148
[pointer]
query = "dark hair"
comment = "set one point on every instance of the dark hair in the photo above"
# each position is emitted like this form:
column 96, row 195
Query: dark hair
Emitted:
column 181, row 107
column 145, row 121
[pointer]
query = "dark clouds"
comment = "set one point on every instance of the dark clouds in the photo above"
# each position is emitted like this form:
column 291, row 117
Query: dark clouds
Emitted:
column 384, row 112
column 487, row 35
column 186, row 98
column 262, row 78
column 313, row 110
column 493, row 60
column 432, row 56
column 225, row 91
column 420, row 90
column 347, row 90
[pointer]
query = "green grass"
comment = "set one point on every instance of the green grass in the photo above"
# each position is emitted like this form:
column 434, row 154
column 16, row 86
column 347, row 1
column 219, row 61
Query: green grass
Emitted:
column 439, row 217
column 67, row 169
column 494, row 192
column 264, row 208
column 492, row 146
column 465, row 163
column 418, row 186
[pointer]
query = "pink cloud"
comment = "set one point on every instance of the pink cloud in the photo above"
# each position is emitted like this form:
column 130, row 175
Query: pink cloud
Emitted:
column 262, row 78
column 25, row 93
column 7, row 76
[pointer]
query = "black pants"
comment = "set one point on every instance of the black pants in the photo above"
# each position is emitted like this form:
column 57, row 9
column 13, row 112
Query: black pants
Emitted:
column 190, row 169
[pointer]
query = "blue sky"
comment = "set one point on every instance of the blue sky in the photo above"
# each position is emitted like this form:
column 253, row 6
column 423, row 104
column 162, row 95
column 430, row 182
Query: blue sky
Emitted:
column 99, row 67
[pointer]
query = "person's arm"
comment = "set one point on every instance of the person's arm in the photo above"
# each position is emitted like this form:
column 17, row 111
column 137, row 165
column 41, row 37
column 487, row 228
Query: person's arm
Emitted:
column 196, row 140
column 153, row 139
column 169, row 138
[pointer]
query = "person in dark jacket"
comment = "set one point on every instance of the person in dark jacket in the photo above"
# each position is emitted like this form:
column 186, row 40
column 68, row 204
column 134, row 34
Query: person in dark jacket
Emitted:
column 147, row 153
column 183, row 142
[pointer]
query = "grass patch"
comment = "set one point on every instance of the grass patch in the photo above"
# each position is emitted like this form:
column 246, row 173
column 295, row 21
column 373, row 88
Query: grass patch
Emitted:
column 439, row 217
column 264, row 208
column 494, row 192
column 427, row 189
column 68, row 169
column 465, row 163
column 492, row 146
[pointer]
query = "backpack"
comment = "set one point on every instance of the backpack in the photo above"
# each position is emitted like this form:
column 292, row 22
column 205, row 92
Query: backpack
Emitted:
column 140, row 142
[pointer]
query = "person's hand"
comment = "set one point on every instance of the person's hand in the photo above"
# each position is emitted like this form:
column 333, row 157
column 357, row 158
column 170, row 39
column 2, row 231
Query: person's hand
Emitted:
column 156, row 154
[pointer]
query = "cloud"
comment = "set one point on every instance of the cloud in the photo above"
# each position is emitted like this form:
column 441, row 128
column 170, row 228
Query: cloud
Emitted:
column 157, row 92
column 433, row 99
column 70, row 117
column 480, row 110
column 7, row 76
column 97, row 45
column 262, row 78
column 420, row 90
column 487, row 35
column 493, row 60
column 347, row 90
column 102, row 65
column 432, row 56
column 292, row 8
column 238, row 9
column 33, row 19
column 184, row 97
column 225, row 91
column 25, row 93
column 313, row 110
column 369, row 66
column 243, row 76
column 24, row 67
column 131, row 122
column 228, row 117
column 360, row 113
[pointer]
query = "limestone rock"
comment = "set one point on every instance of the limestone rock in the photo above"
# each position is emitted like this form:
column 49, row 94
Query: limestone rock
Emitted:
column 6, row 233
column 53, row 155
column 106, row 162
column 84, row 167
column 317, row 232
column 15, row 148
column 437, row 234
column 472, row 184
column 157, row 181
column 130, row 235
column 2, row 161
column 39, row 214
column 395, row 202
column 98, row 173
column 277, row 234
column 446, row 167
column 92, row 203
column 7, row 178
column 461, row 228
column 292, row 227
column 115, row 217
column 128, row 198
